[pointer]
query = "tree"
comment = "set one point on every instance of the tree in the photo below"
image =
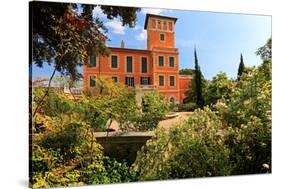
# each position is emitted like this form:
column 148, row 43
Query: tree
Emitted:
column 154, row 109
column 220, row 87
column 194, row 148
column 198, row 82
column 265, row 51
column 64, row 35
column 187, row 71
column 198, row 85
column 241, row 67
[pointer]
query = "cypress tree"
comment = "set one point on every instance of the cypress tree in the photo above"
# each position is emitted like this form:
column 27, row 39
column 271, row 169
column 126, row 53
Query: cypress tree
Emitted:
column 241, row 67
column 198, row 82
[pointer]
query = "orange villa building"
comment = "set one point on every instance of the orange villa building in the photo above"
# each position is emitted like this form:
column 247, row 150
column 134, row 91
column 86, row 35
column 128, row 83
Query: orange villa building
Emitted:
column 154, row 68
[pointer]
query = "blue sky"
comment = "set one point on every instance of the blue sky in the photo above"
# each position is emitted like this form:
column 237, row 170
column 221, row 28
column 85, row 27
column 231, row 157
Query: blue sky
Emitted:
column 219, row 38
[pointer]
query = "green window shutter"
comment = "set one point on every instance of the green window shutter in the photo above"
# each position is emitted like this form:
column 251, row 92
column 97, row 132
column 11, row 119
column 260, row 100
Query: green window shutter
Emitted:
column 172, row 62
column 161, row 80
column 161, row 61
column 172, row 81
column 129, row 64
column 162, row 37
column 114, row 62
column 144, row 65
column 93, row 61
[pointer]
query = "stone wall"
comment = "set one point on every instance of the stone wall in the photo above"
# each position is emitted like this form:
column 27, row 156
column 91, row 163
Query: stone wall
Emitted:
column 122, row 145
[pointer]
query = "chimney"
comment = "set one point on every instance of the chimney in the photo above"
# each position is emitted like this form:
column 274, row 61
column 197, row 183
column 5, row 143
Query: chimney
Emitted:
column 122, row 44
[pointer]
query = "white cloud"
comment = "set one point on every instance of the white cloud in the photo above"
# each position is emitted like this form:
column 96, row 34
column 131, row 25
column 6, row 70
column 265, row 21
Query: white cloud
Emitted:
column 97, row 12
column 137, row 27
column 142, row 35
column 115, row 26
column 152, row 11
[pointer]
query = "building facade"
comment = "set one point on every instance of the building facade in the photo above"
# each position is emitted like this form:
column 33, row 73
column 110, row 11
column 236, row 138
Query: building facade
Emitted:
column 154, row 68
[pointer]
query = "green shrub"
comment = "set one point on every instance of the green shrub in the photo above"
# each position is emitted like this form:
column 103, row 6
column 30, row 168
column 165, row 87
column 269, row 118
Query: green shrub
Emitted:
column 104, row 170
column 248, row 116
column 191, row 106
column 154, row 109
column 193, row 149
column 220, row 87
column 64, row 141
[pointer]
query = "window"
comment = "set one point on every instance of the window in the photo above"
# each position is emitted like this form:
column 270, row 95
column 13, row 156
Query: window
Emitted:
column 161, row 80
column 172, row 62
column 92, row 81
column 170, row 26
column 153, row 23
column 115, row 79
column 93, row 61
column 161, row 61
column 162, row 37
column 144, row 65
column 114, row 61
column 172, row 100
column 129, row 81
column 159, row 24
column 144, row 80
column 129, row 64
column 172, row 81
column 164, row 25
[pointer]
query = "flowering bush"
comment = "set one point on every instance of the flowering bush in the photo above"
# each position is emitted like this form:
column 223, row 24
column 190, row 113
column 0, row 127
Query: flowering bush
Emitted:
column 232, row 138
column 194, row 148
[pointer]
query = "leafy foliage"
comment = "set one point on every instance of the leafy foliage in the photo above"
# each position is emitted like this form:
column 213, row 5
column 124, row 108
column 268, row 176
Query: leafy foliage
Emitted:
column 64, row 150
column 220, row 87
column 154, row 109
column 191, row 106
column 66, row 38
column 104, row 170
column 194, row 148
column 187, row 71
column 265, row 52
column 65, row 153
column 234, row 137
column 249, row 115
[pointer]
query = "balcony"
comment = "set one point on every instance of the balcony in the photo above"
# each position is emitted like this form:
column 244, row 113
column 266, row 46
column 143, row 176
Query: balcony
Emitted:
column 141, row 90
column 145, row 87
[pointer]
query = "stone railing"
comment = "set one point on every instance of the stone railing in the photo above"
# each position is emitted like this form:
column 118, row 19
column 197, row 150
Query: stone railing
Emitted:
column 122, row 145
column 145, row 87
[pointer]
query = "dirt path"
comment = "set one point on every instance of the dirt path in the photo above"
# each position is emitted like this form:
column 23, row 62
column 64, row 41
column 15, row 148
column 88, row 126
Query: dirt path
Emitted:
column 171, row 122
